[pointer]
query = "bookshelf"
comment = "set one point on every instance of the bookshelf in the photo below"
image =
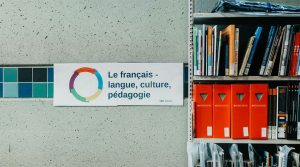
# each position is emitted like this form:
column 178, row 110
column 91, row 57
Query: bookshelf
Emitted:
column 247, row 24
column 239, row 19
column 234, row 18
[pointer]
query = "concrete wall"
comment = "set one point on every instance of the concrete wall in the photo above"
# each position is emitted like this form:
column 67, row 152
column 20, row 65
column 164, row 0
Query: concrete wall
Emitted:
column 34, row 133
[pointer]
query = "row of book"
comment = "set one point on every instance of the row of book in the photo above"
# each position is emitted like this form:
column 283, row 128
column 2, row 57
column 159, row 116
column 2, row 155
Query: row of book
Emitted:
column 216, row 51
column 283, row 114
column 242, row 111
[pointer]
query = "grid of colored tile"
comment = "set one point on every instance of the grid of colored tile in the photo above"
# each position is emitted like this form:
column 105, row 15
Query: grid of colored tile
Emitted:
column 26, row 82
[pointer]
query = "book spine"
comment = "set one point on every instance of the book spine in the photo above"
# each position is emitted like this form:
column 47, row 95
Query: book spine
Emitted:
column 272, row 51
column 199, row 58
column 219, row 53
column 267, row 51
column 195, row 35
column 215, row 41
column 298, row 65
column 298, row 112
column 282, row 94
column 255, row 43
column 226, row 60
column 206, row 56
column 294, row 60
column 275, row 53
column 282, row 70
column 270, row 101
column 289, row 50
column 231, row 48
column 203, row 49
column 295, row 111
column 209, row 51
column 274, row 113
column 250, row 44
column 236, row 49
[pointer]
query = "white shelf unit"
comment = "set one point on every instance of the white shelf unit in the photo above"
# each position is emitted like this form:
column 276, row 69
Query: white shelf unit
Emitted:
column 233, row 18
column 223, row 19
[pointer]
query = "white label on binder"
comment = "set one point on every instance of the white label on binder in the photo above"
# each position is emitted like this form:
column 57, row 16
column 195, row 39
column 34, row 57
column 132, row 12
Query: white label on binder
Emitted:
column 245, row 131
column 226, row 132
column 209, row 131
column 263, row 132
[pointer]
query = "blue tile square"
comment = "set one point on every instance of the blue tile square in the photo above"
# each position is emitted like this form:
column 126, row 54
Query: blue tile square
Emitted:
column 50, row 75
column 10, row 90
column 1, row 74
column 25, row 90
column 1, row 89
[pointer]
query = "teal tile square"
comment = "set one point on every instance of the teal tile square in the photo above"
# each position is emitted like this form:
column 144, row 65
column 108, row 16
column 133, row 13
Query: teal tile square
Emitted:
column 40, row 90
column 10, row 90
column 10, row 74
column 50, row 90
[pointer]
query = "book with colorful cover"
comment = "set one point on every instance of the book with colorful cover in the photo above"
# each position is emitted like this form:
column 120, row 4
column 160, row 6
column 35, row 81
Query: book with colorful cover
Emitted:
column 255, row 43
column 267, row 51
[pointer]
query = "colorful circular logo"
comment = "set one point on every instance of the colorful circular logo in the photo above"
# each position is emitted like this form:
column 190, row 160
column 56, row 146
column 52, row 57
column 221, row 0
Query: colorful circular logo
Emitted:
column 73, row 90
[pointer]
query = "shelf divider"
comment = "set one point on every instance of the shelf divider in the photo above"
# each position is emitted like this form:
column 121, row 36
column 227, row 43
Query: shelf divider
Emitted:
column 245, row 78
column 245, row 141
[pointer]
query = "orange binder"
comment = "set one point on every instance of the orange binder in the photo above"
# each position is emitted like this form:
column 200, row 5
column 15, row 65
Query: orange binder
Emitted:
column 221, row 111
column 258, row 109
column 202, row 96
column 240, row 111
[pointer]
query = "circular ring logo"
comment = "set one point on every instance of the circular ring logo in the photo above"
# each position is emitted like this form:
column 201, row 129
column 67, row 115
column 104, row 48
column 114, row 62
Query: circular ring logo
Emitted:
column 75, row 93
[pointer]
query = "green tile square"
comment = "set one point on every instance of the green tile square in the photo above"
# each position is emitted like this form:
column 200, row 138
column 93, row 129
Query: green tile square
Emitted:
column 10, row 74
column 50, row 90
column 40, row 90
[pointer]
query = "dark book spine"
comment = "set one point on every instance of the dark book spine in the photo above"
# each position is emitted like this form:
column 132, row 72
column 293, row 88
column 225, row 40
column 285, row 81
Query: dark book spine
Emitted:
column 282, row 94
column 270, row 107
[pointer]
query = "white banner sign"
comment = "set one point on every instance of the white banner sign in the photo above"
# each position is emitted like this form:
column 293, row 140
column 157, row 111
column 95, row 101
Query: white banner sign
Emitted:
column 112, row 84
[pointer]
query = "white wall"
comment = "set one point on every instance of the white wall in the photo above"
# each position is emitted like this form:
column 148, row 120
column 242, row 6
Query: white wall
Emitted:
column 35, row 134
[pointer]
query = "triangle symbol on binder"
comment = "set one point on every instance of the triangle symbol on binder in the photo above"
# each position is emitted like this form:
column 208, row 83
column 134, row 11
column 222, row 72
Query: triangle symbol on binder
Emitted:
column 203, row 96
column 222, row 96
column 258, row 96
column 240, row 96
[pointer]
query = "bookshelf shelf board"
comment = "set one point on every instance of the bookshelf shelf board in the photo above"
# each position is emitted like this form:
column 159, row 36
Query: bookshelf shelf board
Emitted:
column 245, row 78
column 245, row 18
column 245, row 141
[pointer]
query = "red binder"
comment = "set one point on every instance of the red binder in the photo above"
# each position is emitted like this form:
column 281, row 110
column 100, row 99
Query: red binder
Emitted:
column 240, row 111
column 258, row 111
column 202, row 96
column 221, row 110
